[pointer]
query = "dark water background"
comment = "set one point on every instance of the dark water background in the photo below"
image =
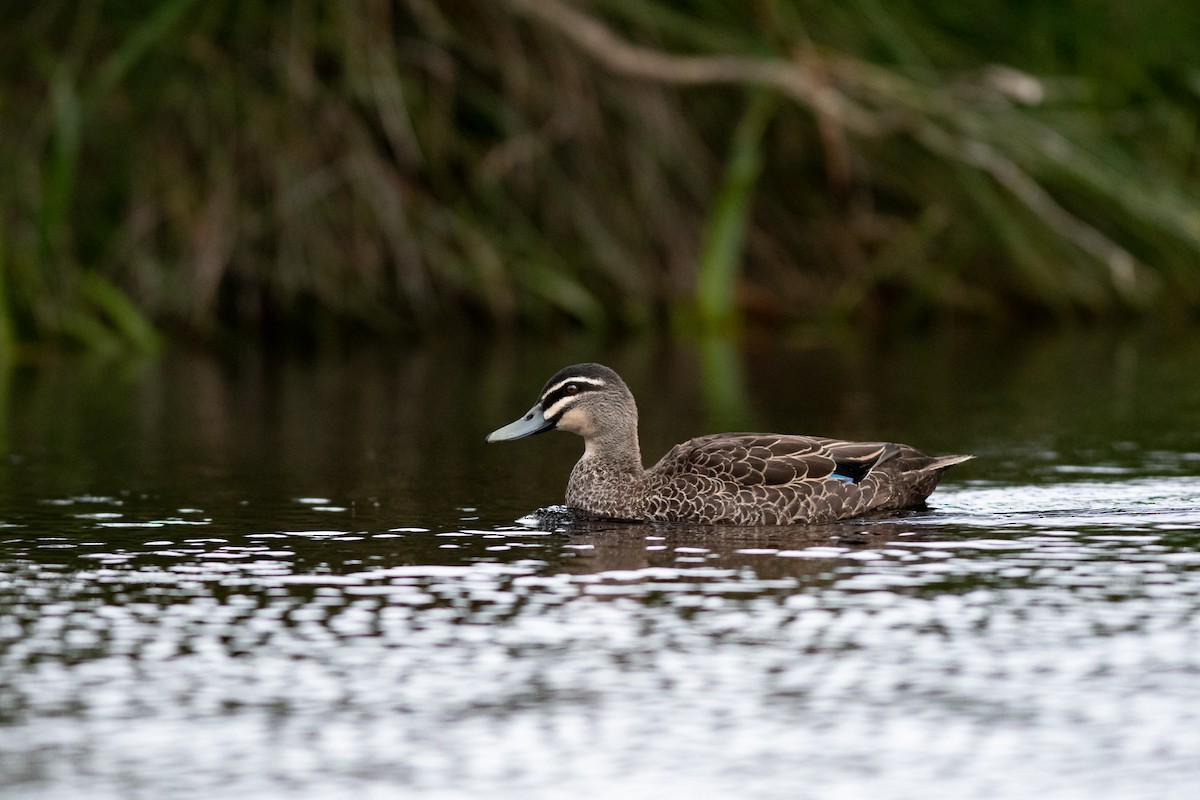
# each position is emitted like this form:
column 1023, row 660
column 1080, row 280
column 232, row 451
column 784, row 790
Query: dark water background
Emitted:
column 310, row 577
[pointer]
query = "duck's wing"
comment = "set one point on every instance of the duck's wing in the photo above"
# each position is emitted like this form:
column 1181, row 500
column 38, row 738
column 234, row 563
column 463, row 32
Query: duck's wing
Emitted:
column 755, row 459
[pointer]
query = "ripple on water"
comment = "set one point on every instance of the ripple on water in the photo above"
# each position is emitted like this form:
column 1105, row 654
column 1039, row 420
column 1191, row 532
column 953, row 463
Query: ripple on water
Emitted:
column 1051, row 653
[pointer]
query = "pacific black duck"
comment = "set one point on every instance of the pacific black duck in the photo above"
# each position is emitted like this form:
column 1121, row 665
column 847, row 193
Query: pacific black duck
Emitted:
column 739, row 478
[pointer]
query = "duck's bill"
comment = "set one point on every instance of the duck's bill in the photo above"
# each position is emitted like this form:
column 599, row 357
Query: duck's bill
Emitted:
column 533, row 422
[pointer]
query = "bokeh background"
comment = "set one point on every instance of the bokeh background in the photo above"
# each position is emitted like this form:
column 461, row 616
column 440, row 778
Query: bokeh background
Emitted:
column 222, row 169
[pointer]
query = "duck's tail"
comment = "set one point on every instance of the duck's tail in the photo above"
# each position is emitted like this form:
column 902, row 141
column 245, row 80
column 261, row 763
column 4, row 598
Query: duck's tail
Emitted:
column 939, row 463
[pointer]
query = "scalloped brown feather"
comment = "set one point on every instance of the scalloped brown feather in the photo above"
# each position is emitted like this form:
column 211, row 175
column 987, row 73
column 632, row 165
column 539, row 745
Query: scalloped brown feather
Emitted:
column 756, row 479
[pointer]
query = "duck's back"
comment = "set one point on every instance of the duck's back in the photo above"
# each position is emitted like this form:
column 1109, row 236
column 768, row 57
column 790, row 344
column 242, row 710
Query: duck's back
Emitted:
column 757, row 478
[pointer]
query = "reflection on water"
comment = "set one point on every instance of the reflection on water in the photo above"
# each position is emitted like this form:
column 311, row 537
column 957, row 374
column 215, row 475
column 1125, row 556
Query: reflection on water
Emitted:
column 312, row 578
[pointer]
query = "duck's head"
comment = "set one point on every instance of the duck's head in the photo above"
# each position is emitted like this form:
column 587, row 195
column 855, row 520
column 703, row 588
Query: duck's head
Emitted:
column 588, row 399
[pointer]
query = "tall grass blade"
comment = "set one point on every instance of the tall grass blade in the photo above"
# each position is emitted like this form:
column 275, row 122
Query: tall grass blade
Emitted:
column 121, row 314
column 725, row 231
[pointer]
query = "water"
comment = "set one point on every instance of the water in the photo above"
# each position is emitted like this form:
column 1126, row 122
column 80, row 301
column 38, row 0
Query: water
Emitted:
column 309, row 577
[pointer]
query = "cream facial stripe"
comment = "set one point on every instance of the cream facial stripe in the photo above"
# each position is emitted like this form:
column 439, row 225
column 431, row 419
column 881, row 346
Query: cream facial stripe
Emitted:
column 560, row 403
column 565, row 381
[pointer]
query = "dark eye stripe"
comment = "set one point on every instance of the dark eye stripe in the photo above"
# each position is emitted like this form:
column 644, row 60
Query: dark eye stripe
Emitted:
column 564, row 391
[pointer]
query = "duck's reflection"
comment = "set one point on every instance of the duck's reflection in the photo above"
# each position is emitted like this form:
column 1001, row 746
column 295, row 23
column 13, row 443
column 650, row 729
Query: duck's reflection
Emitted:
column 770, row 552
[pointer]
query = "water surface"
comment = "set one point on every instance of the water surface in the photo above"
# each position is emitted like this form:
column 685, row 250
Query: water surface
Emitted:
column 309, row 577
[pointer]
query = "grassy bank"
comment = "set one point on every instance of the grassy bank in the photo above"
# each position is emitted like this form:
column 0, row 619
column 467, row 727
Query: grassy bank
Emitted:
column 245, row 166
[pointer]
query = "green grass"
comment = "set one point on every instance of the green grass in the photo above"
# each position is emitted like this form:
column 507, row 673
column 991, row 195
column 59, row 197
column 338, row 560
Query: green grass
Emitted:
column 219, row 168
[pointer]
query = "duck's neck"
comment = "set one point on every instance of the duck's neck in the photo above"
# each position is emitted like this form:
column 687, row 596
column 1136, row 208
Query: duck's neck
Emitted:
column 608, row 480
column 616, row 449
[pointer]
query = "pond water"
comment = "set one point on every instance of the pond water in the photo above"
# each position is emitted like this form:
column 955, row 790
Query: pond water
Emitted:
column 309, row 577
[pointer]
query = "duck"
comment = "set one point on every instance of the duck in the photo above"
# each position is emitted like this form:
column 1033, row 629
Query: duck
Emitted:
column 734, row 478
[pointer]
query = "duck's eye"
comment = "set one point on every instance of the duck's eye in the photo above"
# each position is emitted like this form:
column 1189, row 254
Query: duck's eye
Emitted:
column 572, row 388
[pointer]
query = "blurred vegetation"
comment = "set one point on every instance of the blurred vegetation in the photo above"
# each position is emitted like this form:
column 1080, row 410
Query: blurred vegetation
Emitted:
column 226, row 167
